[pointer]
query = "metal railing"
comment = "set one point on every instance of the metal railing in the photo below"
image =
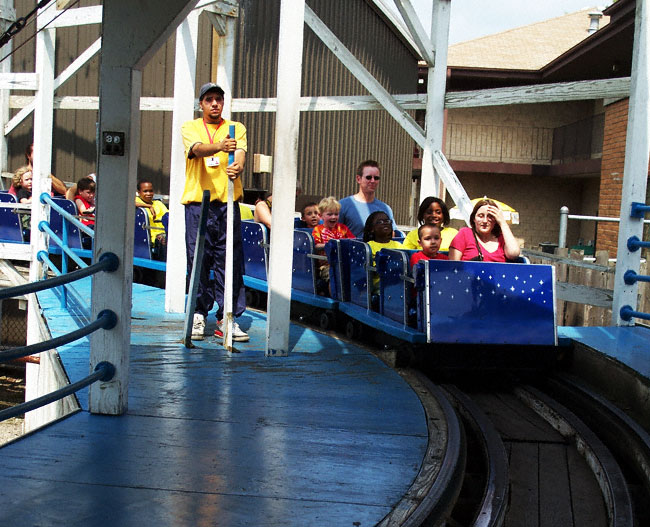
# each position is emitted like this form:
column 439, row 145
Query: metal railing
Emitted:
column 104, row 371
column 565, row 216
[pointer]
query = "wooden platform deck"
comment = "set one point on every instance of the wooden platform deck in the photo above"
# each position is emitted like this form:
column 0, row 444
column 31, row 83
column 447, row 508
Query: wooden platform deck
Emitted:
column 327, row 436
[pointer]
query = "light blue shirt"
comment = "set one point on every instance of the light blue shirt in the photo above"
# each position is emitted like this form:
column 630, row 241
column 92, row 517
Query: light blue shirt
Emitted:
column 355, row 213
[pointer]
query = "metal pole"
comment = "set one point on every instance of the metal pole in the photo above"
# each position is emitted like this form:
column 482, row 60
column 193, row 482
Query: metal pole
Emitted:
column 564, row 217
column 227, row 290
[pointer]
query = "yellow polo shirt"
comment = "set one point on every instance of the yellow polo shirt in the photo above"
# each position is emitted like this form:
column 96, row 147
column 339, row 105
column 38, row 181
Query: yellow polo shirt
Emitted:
column 198, row 175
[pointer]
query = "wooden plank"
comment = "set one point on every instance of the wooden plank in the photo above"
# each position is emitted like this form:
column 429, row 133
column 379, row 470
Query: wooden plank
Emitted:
column 583, row 488
column 524, row 486
column 554, row 490
column 556, row 92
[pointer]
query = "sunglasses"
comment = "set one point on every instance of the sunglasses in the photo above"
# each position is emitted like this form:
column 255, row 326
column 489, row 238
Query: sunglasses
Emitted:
column 376, row 178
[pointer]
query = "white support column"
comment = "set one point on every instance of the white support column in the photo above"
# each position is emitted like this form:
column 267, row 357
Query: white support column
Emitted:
column 287, row 121
column 184, row 91
column 7, row 17
column 43, row 122
column 126, row 48
column 436, row 83
column 226, row 63
column 637, row 152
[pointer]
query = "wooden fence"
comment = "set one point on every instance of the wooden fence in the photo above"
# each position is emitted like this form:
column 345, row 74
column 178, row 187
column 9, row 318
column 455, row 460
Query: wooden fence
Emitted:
column 584, row 290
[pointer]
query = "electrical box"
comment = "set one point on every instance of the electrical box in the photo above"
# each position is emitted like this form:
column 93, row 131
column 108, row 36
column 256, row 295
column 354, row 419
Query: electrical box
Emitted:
column 113, row 143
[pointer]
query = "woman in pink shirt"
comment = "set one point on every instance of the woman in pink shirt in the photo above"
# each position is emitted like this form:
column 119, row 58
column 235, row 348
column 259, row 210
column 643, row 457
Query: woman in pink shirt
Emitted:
column 489, row 239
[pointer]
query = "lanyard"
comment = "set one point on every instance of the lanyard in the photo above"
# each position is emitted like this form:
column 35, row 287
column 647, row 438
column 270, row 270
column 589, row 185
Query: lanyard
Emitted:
column 211, row 138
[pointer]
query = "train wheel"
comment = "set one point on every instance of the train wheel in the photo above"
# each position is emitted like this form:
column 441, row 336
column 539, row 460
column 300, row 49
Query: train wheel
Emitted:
column 351, row 329
column 326, row 320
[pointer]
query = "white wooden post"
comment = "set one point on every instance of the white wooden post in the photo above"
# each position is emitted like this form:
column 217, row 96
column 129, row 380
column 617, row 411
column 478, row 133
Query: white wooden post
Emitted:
column 637, row 152
column 7, row 17
column 126, row 48
column 436, row 83
column 184, row 105
column 287, row 121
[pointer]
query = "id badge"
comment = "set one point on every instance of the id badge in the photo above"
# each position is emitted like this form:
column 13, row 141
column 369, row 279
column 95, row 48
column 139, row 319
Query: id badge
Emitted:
column 212, row 161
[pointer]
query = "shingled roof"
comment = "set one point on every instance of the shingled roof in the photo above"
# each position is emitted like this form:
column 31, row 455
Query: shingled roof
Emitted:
column 528, row 47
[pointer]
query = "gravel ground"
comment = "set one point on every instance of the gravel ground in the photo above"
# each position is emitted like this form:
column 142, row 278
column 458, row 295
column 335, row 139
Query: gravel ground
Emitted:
column 12, row 392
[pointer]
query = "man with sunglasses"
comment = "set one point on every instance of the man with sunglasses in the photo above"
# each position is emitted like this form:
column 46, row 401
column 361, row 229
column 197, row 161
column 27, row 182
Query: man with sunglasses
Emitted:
column 355, row 209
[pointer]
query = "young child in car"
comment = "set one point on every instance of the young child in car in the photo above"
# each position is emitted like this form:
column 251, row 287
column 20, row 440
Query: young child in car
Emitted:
column 378, row 233
column 429, row 238
column 155, row 209
column 310, row 216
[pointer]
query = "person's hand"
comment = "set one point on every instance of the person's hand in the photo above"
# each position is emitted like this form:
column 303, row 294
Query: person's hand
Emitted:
column 497, row 214
column 228, row 144
column 234, row 170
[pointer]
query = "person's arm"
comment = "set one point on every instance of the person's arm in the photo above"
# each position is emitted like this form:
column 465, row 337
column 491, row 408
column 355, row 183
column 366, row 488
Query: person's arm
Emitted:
column 58, row 186
column 228, row 144
column 235, row 169
column 262, row 213
column 510, row 245
column 455, row 251
column 71, row 192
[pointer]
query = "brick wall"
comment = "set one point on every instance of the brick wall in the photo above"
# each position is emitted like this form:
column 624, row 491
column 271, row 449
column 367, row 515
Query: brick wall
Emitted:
column 611, row 174
column 538, row 201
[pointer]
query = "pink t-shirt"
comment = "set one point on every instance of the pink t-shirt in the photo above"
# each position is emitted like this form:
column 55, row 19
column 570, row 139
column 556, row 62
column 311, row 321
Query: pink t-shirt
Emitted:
column 466, row 244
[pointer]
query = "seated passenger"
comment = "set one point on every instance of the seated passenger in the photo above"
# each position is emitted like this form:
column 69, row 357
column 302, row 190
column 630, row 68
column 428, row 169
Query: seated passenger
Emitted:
column 22, row 185
column 432, row 211
column 378, row 234
column 330, row 229
column 309, row 217
column 429, row 239
column 85, row 201
column 489, row 238
column 262, row 212
column 155, row 209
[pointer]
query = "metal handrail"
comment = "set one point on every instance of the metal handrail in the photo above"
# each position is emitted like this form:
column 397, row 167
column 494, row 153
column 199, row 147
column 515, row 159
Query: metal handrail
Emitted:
column 106, row 319
column 46, row 199
column 44, row 226
column 104, row 371
column 108, row 262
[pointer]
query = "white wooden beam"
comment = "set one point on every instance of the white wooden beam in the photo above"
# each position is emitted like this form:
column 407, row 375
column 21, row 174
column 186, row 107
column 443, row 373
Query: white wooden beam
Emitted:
column 18, row 81
column 536, row 93
column 287, row 121
column 65, row 75
column 7, row 17
column 365, row 77
column 637, row 154
column 78, row 16
column 419, row 35
column 219, row 7
column 435, row 114
column 183, row 105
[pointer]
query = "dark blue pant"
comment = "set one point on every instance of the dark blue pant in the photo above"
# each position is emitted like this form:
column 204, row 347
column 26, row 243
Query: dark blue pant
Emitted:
column 214, row 257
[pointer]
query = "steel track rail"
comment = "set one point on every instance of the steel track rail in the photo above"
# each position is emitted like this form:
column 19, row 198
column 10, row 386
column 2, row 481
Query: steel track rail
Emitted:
column 492, row 510
column 434, row 491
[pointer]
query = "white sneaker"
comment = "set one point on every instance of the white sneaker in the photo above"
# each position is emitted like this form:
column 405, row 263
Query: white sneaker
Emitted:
column 238, row 334
column 198, row 327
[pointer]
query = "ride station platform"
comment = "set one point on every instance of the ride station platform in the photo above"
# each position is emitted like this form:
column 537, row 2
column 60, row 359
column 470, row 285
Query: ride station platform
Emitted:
column 329, row 435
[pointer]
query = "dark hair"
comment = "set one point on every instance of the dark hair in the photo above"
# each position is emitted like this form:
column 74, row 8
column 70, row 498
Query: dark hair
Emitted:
column 368, row 235
column 366, row 163
column 427, row 226
column 85, row 183
column 496, row 230
column 143, row 181
column 28, row 151
column 310, row 204
column 426, row 203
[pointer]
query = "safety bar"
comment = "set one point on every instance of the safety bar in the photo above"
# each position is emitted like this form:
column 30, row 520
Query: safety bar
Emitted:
column 108, row 262
column 106, row 319
column 104, row 371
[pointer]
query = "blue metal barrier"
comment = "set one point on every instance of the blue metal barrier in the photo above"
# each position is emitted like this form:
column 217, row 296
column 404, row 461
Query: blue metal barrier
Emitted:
column 106, row 319
column 639, row 209
column 627, row 313
column 104, row 371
